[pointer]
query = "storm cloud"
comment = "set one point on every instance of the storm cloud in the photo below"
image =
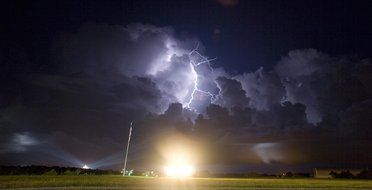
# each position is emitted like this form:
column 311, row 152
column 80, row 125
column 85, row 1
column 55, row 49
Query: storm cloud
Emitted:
column 105, row 76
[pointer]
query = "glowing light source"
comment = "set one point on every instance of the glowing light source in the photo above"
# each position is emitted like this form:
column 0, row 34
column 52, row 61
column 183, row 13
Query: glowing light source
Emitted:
column 179, row 165
column 179, row 171
column 86, row 167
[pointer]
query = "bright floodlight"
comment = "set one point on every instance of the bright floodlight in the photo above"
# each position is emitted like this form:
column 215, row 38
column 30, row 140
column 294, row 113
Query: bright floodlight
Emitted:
column 179, row 171
column 179, row 167
column 86, row 167
column 179, row 157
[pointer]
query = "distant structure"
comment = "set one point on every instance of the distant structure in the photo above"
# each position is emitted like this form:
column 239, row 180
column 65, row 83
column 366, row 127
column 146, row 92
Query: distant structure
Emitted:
column 326, row 173
column 127, row 150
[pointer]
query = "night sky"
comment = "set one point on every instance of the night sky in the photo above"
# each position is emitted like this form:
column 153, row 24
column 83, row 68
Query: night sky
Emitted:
column 242, row 85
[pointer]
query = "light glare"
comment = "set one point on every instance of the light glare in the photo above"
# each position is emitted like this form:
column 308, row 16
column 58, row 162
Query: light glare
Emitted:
column 179, row 171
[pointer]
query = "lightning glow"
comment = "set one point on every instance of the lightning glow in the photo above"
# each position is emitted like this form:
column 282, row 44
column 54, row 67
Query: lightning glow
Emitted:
column 195, row 75
column 190, row 81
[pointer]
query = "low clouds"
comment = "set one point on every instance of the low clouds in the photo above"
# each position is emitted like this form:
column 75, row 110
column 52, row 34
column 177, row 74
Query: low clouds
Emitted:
column 105, row 76
column 20, row 142
column 268, row 152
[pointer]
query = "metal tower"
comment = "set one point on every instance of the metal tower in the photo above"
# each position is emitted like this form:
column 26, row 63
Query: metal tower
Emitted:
column 126, row 152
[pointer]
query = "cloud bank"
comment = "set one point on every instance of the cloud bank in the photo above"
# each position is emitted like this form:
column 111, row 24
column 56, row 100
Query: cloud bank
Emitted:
column 105, row 76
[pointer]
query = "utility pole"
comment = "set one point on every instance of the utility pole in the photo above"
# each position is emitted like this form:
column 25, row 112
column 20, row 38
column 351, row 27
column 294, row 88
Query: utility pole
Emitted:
column 126, row 152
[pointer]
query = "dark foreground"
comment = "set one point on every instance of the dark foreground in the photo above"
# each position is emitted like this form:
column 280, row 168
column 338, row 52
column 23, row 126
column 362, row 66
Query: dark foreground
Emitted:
column 119, row 182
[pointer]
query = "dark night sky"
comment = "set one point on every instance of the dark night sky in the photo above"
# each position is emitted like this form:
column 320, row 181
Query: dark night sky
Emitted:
column 266, row 30
column 291, row 86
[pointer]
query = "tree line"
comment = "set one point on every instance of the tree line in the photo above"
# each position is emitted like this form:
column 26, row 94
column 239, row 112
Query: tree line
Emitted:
column 346, row 174
column 52, row 170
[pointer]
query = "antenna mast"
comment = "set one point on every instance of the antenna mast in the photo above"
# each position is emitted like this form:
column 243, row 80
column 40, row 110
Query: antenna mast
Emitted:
column 126, row 152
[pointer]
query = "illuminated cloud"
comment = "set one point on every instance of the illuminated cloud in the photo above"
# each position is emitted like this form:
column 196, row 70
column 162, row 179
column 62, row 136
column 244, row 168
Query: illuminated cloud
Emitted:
column 109, row 75
column 142, row 51
column 19, row 142
column 264, row 89
column 231, row 93
column 269, row 152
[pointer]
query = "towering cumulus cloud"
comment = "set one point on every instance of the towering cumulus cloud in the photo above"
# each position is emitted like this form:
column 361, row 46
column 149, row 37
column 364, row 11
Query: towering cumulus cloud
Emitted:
column 105, row 76
column 138, row 50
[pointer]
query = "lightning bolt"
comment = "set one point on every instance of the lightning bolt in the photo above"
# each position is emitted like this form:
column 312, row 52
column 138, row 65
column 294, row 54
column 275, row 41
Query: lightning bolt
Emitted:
column 193, row 65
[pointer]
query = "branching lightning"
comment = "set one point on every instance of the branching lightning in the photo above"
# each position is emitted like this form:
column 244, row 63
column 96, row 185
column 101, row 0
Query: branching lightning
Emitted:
column 193, row 65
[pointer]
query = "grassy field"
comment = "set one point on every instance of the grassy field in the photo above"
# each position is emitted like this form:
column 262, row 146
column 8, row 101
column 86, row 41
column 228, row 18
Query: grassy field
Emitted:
column 119, row 182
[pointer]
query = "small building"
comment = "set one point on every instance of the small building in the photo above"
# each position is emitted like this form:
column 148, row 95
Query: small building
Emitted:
column 326, row 173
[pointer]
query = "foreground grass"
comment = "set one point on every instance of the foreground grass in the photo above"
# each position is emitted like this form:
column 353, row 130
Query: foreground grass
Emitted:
column 7, row 182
